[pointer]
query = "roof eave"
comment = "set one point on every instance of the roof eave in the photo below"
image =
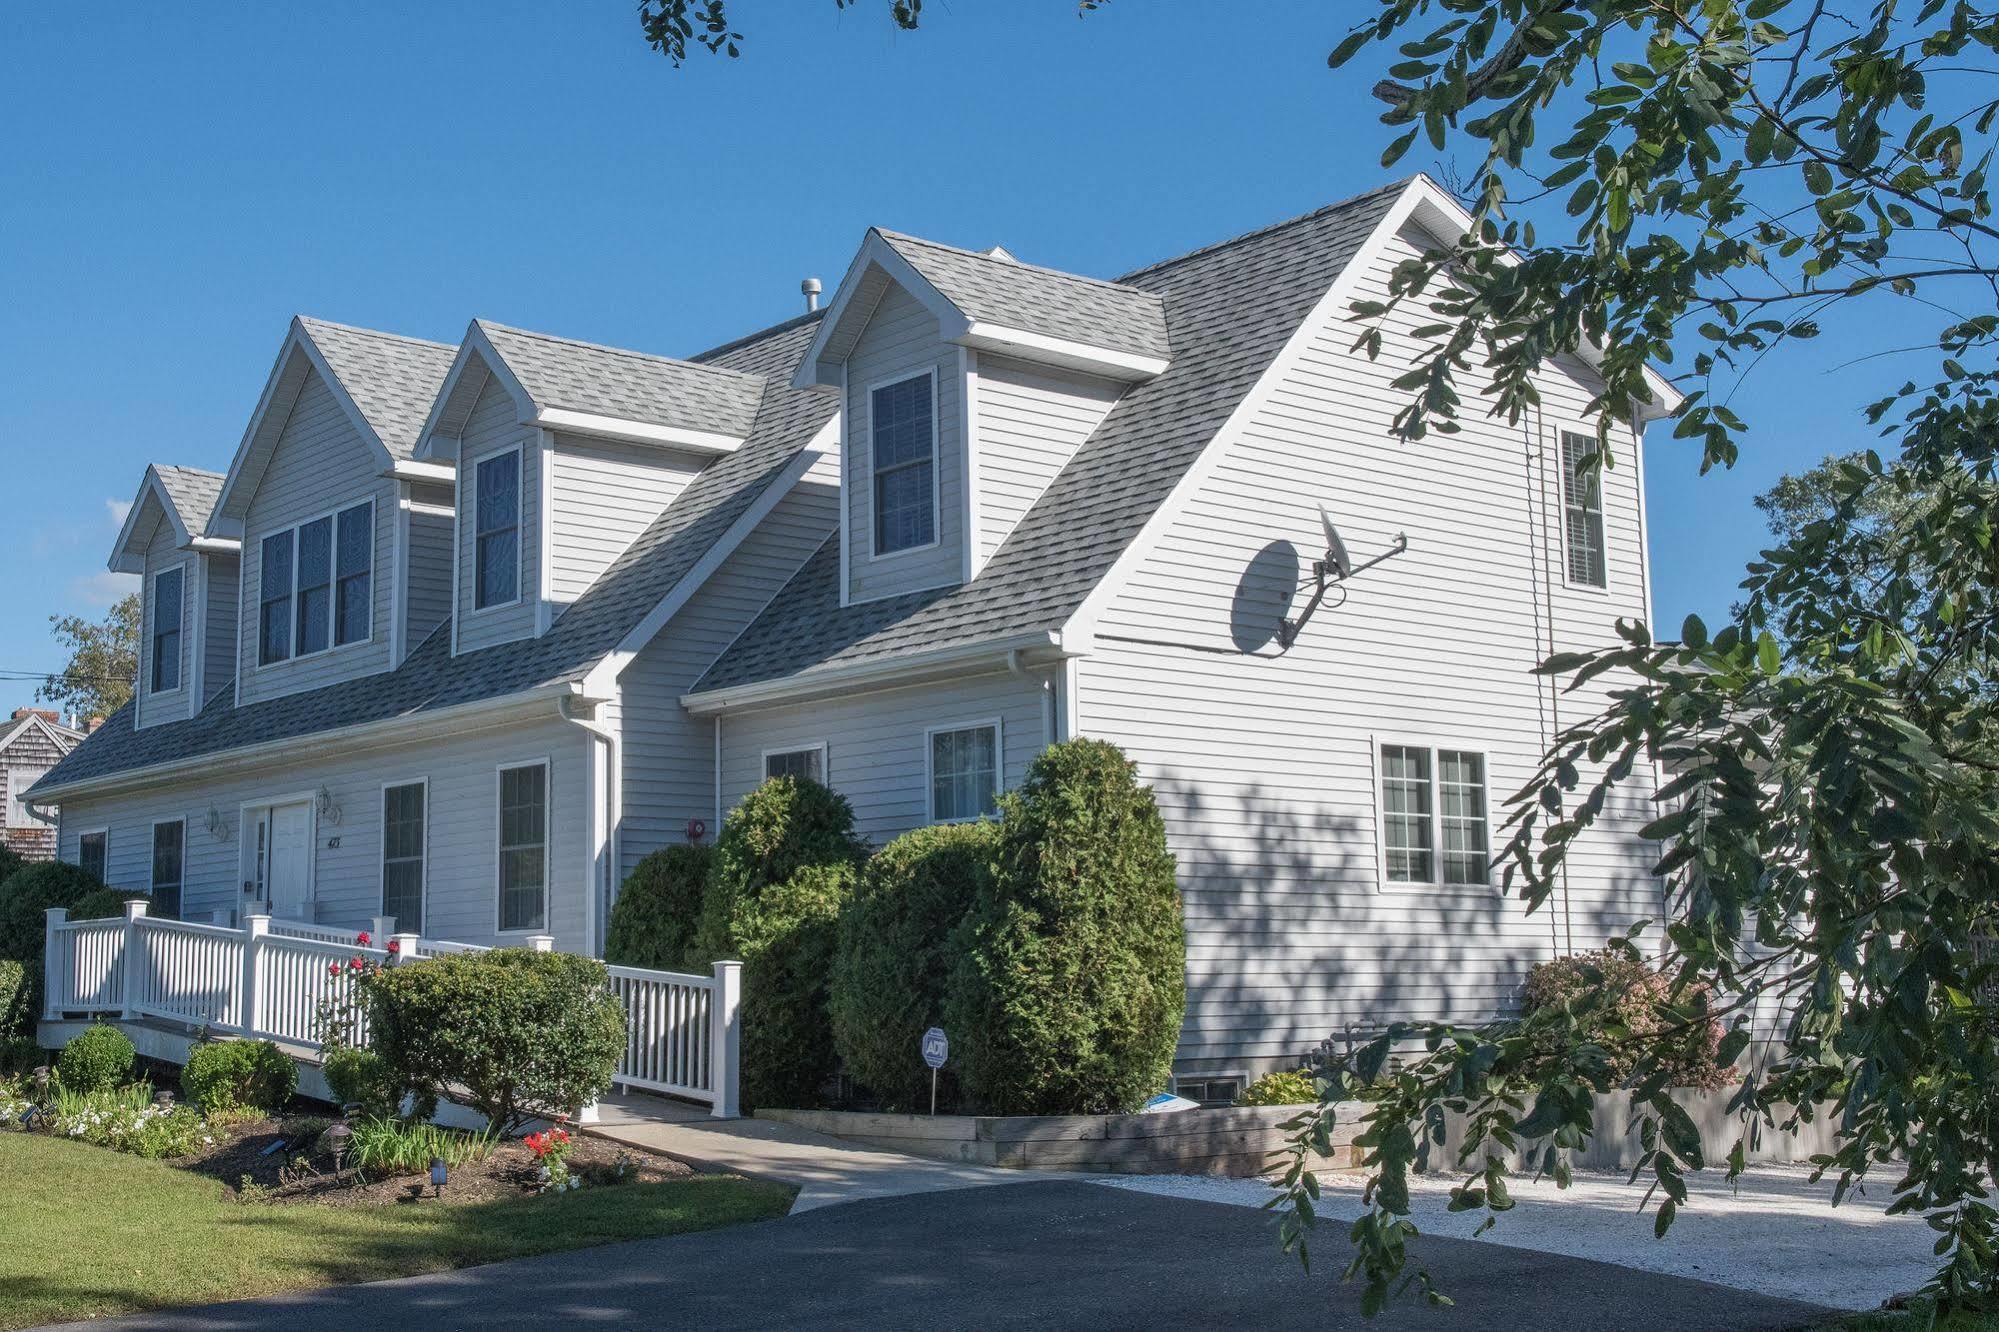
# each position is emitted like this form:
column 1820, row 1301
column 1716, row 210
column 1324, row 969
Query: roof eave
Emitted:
column 903, row 668
column 1110, row 362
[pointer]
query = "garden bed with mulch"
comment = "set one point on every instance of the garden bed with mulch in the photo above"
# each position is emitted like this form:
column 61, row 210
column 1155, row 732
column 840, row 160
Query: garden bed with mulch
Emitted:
column 289, row 1160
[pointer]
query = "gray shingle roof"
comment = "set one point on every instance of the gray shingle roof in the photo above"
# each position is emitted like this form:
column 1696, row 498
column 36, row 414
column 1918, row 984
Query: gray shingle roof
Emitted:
column 656, row 390
column 1039, row 300
column 786, row 420
column 193, row 493
column 391, row 378
column 1232, row 307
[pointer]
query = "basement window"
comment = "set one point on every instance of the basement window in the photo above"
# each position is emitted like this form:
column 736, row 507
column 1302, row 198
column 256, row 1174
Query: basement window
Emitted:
column 1209, row 1091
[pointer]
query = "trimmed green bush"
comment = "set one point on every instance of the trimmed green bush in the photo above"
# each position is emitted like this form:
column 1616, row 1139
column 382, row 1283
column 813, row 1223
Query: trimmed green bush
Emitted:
column 526, row 1035
column 1293, row 1088
column 20, row 1054
column 361, row 1077
column 659, row 908
column 10, row 861
column 1070, row 980
column 1611, row 991
column 894, row 961
column 96, row 1059
column 102, row 904
column 17, row 1013
column 239, row 1075
column 785, row 865
column 25, row 898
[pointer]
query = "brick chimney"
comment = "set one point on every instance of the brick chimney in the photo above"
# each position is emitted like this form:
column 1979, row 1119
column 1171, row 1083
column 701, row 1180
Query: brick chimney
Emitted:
column 46, row 714
column 93, row 724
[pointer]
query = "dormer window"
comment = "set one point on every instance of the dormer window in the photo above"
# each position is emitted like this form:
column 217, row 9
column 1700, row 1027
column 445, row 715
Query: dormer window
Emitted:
column 167, row 599
column 497, row 552
column 316, row 585
column 903, row 423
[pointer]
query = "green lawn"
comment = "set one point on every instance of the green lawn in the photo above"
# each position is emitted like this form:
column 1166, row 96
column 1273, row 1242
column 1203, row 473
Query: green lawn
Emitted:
column 1914, row 1321
column 92, row 1232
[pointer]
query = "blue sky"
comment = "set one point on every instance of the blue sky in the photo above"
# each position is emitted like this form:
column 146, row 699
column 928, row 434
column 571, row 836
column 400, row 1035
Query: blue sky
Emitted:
column 173, row 189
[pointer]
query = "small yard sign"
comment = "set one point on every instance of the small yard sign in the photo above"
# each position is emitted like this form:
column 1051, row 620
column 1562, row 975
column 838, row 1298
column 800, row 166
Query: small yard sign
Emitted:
column 936, row 1049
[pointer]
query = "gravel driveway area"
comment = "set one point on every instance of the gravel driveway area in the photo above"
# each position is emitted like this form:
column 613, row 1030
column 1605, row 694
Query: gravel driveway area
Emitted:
column 1777, row 1234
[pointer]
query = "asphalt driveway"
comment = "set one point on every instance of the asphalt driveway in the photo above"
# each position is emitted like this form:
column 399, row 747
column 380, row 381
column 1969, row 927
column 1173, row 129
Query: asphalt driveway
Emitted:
column 1043, row 1254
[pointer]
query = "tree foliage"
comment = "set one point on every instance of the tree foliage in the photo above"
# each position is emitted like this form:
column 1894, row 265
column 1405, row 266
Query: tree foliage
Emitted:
column 103, row 661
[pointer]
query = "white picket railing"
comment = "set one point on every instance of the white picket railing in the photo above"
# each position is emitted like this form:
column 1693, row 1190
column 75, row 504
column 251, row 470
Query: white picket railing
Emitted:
column 272, row 979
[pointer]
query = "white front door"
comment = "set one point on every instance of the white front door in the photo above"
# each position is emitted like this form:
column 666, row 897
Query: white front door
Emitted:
column 281, row 848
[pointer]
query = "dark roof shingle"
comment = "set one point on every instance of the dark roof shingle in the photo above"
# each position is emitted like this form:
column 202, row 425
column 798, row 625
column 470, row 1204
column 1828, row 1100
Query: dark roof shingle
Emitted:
column 632, row 386
column 392, row 379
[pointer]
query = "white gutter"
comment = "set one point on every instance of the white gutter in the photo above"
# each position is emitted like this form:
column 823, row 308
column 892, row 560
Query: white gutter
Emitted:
column 216, row 545
column 388, row 731
column 882, row 673
column 429, row 473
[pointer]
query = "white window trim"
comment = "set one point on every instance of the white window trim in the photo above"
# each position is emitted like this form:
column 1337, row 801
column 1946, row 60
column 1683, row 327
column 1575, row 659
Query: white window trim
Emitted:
column 930, row 764
column 1436, row 882
column 825, row 768
column 153, row 855
column 245, row 811
column 1562, row 518
column 547, row 845
column 382, row 850
column 332, row 588
column 105, row 833
column 152, row 621
column 520, row 529
column 936, row 466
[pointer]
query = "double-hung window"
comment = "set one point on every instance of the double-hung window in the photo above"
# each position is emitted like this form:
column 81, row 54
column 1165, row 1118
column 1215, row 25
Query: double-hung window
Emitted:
column 524, row 847
column 496, row 506
column 808, row 761
column 964, row 772
column 402, row 855
column 169, row 845
column 316, row 585
column 91, row 855
column 904, row 443
column 1582, row 510
column 1435, row 827
column 168, row 586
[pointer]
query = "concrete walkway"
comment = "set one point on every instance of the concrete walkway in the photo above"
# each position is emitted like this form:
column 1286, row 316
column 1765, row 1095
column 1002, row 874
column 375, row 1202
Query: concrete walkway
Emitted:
column 826, row 1170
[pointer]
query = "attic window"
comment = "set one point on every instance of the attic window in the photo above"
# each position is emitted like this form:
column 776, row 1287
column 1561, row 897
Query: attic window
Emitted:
column 314, row 585
column 1582, row 505
column 903, row 432
column 167, row 598
column 497, row 554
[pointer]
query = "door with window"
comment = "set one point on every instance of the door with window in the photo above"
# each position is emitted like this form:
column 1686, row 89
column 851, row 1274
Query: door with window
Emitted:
column 277, row 846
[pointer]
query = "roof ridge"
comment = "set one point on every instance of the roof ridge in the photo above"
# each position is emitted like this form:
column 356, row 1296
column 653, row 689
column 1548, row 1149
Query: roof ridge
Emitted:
column 1084, row 278
column 782, row 326
column 1340, row 205
column 182, row 467
column 316, row 322
column 610, row 350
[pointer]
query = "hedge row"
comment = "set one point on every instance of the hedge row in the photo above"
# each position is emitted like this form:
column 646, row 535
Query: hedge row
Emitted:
column 1048, row 943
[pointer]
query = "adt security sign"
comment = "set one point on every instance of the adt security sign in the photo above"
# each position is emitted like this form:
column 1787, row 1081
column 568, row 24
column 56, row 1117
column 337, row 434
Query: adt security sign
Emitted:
column 936, row 1049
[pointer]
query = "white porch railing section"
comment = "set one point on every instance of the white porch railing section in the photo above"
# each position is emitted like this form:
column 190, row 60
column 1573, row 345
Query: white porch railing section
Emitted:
column 270, row 979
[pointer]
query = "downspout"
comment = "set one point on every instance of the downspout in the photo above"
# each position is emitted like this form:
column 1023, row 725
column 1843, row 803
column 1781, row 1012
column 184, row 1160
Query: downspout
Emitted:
column 594, row 903
column 1046, row 683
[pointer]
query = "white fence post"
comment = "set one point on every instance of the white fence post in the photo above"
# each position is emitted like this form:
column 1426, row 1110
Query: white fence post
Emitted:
column 542, row 943
column 379, row 930
column 404, row 950
column 725, row 1040
column 51, row 966
column 255, row 930
column 133, row 963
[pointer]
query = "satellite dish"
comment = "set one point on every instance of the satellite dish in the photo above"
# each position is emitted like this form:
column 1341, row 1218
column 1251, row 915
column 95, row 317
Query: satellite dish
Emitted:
column 1337, row 559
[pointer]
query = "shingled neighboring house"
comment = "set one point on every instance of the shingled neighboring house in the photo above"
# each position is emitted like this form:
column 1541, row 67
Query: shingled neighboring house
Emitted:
column 32, row 741
column 465, row 631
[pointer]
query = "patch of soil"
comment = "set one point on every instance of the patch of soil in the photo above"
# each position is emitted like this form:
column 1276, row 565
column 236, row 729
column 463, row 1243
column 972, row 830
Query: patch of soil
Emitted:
column 280, row 1161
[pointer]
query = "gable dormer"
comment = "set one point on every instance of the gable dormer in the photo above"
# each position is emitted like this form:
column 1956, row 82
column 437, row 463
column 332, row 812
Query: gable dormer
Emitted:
column 968, row 380
column 564, row 453
column 317, row 494
column 187, row 592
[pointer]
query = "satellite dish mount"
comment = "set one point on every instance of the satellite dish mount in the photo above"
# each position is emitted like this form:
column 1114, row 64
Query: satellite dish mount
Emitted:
column 1335, row 567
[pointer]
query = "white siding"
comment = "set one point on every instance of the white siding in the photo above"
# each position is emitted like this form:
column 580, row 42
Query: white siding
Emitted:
column 605, row 495
column 901, row 340
column 426, row 566
column 1264, row 761
column 320, row 464
column 875, row 742
column 1027, row 422
column 668, row 756
column 493, row 425
column 463, row 878
column 150, row 709
column 218, row 633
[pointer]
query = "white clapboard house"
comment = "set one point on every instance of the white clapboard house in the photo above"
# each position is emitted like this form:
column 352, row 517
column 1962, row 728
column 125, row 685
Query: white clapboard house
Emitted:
column 463, row 632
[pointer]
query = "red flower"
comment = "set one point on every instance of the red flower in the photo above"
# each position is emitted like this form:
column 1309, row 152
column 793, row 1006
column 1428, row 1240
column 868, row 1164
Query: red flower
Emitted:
column 395, row 946
column 362, row 938
column 356, row 964
column 333, row 968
